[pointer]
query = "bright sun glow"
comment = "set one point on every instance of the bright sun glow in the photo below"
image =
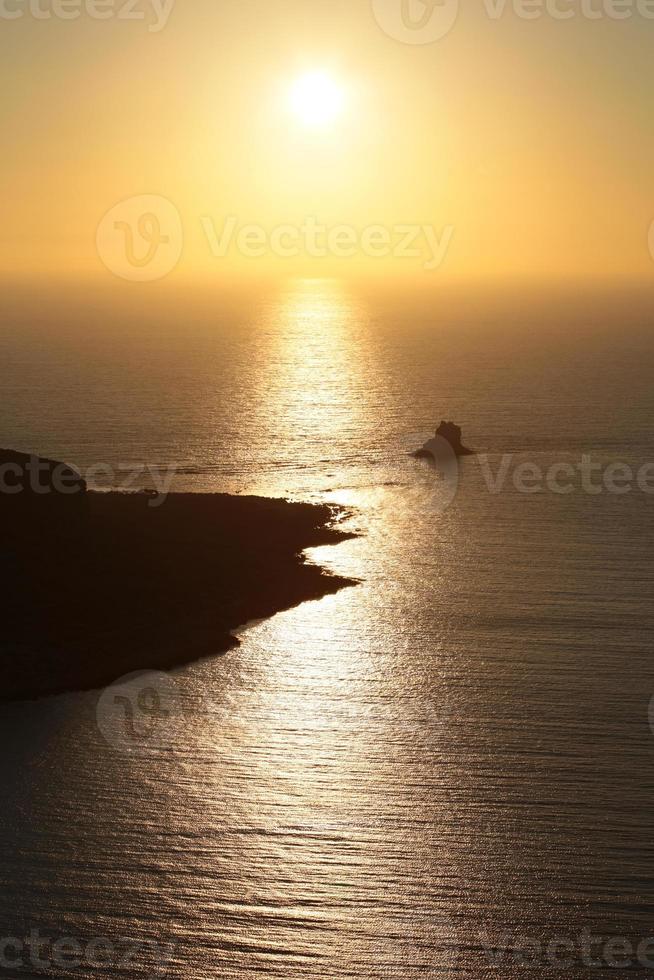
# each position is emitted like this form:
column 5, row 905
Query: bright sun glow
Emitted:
column 316, row 99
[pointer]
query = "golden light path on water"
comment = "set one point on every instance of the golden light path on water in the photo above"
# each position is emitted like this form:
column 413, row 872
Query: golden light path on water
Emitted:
column 333, row 819
column 318, row 360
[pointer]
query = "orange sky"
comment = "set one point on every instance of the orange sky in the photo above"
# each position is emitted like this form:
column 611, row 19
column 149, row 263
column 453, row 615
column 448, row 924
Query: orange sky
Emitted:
column 512, row 147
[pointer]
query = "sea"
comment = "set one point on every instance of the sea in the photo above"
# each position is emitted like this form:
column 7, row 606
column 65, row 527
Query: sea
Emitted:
column 443, row 771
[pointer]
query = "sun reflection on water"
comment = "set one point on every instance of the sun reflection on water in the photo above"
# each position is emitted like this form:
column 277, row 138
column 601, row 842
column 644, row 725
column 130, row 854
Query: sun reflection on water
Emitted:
column 311, row 401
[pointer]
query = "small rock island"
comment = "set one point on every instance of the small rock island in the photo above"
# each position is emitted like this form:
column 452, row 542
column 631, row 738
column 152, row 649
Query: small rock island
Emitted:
column 451, row 433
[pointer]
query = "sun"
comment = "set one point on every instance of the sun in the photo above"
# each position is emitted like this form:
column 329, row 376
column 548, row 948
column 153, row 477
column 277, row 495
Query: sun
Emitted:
column 317, row 99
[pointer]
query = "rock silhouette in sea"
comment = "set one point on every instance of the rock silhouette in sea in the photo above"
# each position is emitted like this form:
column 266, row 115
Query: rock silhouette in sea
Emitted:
column 447, row 432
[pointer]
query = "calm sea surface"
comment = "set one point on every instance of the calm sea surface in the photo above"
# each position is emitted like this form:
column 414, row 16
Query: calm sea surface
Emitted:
column 454, row 755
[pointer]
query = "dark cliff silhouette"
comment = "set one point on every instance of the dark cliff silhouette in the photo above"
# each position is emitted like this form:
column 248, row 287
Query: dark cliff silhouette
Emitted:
column 96, row 585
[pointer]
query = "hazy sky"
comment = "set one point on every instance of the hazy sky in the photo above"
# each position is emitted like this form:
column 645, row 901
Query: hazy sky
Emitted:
column 525, row 145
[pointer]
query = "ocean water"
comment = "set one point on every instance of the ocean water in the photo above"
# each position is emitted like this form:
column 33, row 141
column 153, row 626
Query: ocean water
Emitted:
column 444, row 771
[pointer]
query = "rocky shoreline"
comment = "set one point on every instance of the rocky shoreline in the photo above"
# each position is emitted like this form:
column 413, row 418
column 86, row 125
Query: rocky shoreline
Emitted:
column 96, row 585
